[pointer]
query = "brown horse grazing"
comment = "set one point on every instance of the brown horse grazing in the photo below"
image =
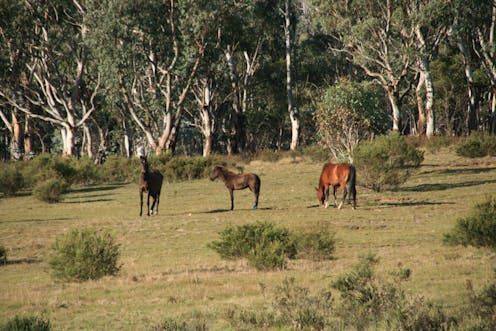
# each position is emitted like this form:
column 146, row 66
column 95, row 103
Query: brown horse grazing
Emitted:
column 151, row 182
column 237, row 182
column 337, row 175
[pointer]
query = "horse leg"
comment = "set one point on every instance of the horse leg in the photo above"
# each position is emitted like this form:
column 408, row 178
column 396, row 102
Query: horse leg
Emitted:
column 255, row 191
column 158, row 201
column 148, row 204
column 154, row 196
column 334, row 189
column 326, row 195
column 345, row 192
column 231, row 193
column 141, row 203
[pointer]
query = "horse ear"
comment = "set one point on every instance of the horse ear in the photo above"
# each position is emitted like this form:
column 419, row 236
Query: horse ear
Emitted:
column 317, row 189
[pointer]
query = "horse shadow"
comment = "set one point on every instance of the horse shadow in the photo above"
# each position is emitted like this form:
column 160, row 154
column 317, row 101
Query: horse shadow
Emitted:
column 26, row 260
column 217, row 211
column 97, row 188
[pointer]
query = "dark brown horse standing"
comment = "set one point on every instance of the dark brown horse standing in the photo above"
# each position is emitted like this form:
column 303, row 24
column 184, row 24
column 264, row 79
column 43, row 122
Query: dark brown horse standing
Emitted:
column 237, row 182
column 151, row 182
column 337, row 175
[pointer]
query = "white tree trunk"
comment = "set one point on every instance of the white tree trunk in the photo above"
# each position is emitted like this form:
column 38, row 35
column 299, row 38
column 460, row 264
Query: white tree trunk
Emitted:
column 393, row 100
column 295, row 125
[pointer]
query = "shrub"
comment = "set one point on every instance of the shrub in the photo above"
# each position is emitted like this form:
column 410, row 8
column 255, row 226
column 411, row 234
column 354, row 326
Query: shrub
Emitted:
column 477, row 145
column 3, row 255
column 315, row 153
column 50, row 190
column 119, row 169
column 478, row 229
column 188, row 168
column 11, row 179
column 27, row 323
column 265, row 246
column 84, row 254
column 317, row 246
column 86, row 171
column 386, row 162
column 481, row 314
column 300, row 309
column 173, row 325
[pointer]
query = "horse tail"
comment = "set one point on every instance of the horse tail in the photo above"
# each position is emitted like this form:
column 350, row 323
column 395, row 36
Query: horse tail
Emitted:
column 352, row 184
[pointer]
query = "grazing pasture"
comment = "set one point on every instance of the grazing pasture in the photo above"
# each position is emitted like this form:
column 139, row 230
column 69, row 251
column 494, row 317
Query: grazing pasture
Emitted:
column 169, row 272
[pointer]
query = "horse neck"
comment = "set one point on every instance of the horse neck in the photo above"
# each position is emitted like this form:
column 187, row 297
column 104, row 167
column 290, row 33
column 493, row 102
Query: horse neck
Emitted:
column 224, row 174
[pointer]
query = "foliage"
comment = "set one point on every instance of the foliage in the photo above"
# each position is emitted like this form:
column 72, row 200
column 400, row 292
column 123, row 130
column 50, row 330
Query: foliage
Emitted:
column 188, row 168
column 85, row 254
column 174, row 325
column 478, row 229
column 3, row 255
column 349, row 113
column 317, row 245
column 27, row 323
column 386, row 162
column 119, row 169
column 11, row 179
column 265, row 246
column 50, row 190
column 316, row 153
column 301, row 309
column 482, row 309
column 477, row 145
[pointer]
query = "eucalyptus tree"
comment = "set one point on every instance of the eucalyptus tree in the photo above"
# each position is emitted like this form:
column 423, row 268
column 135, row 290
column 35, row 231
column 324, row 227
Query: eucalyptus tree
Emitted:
column 376, row 36
column 60, row 89
column 431, row 21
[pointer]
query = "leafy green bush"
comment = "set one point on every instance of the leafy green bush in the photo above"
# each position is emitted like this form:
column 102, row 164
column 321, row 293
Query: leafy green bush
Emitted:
column 315, row 153
column 478, row 229
column 50, row 190
column 174, row 325
column 481, row 314
column 3, row 255
column 188, row 168
column 11, row 179
column 434, row 144
column 26, row 323
column 317, row 245
column 265, row 246
column 477, row 145
column 119, row 169
column 386, row 162
column 85, row 254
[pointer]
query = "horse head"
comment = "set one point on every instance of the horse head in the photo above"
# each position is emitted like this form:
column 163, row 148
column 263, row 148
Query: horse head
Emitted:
column 144, row 164
column 215, row 173
column 320, row 195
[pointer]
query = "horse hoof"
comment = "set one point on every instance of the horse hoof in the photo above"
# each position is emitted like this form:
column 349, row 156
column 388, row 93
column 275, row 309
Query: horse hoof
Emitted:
column 254, row 207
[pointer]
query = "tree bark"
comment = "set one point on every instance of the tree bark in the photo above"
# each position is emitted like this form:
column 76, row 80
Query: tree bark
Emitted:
column 289, row 91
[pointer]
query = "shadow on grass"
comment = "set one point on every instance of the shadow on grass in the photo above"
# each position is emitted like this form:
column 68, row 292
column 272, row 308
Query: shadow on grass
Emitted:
column 460, row 171
column 444, row 186
column 97, row 188
column 215, row 211
column 411, row 204
column 75, row 201
column 27, row 260
column 35, row 220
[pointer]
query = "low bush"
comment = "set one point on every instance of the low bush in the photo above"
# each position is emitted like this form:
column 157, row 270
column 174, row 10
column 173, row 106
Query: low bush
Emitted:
column 265, row 246
column 119, row 169
column 478, row 229
column 188, row 168
column 386, row 162
column 85, row 254
column 481, row 314
column 174, row 325
column 50, row 190
column 477, row 145
column 3, row 255
column 317, row 246
column 27, row 323
column 11, row 179
column 315, row 153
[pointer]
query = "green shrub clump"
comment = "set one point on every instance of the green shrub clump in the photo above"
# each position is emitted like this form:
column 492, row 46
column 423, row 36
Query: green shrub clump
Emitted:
column 50, row 190
column 11, row 179
column 317, row 246
column 174, row 325
column 386, row 162
column 478, row 229
column 26, row 323
column 85, row 254
column 477, row 145
column 265, row 246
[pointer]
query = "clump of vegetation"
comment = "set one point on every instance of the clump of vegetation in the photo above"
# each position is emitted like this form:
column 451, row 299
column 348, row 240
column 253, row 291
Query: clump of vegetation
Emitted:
column 187, row 168
column 85, row 254
column 11, row 179
column 434, row 144
column 481, row 314
column 27, row 323
column 119, row 169
column 265, row 246
column 50, row 190
column 477, row 145
column 316, row 245
column 316, row 153
column 174, row 325
column 349, row 113
column 478, row 229
column 386, row 162
column 3, row 255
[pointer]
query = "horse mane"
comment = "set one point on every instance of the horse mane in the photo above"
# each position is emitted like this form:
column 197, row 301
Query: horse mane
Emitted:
column 224, row 173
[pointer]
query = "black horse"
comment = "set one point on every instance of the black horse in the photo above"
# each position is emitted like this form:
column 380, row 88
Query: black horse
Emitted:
column 237, row 182
column 151, row 182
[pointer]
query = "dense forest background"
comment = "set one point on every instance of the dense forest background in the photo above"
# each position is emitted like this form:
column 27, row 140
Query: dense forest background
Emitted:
column 195, row 77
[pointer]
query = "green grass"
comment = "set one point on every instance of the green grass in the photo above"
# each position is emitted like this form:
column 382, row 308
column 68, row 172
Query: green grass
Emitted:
column 168, row 271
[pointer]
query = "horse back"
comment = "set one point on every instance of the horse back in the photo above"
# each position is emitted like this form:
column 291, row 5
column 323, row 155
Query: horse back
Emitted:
column 335, row 173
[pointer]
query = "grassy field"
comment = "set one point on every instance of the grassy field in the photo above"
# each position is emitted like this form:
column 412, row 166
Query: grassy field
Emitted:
column 169, row 272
